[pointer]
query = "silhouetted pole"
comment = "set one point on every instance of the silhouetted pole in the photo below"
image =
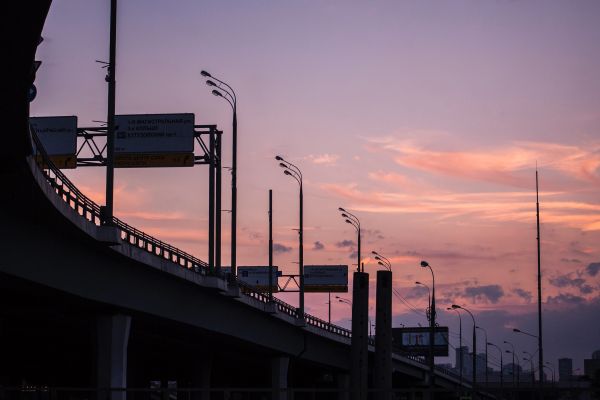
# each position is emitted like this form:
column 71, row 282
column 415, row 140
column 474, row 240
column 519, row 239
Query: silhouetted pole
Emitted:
column 501, row 365
column 530, row 359
column 383, row 332
column 474, row 361
column 218, row 204
column 513, row 362
column 460, row 347
column 270, row 245
column 110, row 134
column 539, row 265
column 432, row 313
column 211, row 204
column 231, row 98
column 293, row 171
column 486, row 358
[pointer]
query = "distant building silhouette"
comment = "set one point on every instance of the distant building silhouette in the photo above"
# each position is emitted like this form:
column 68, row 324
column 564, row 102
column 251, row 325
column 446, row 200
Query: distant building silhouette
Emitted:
column 565, row 369
column 592, row 366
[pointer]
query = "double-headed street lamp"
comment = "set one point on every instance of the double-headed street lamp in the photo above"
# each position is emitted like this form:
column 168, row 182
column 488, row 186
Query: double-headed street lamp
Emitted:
column 293, row 171
column 501, row 364
column 513, row 362
column 224, row 91
column 381, row 260
column 474, row 365
column 460, row 346
column 353, row 220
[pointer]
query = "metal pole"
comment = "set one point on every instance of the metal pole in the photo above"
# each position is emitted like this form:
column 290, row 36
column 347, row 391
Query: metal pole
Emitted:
column 211, row 205
column 270, row 245
column 234, row 196
column 110, row 134
column 358, row 264
column 460, row 347
column 301, row 253
column 474, row 359
column 329, row 306
column 539, row 271
column 218, row 211
column 432, row 334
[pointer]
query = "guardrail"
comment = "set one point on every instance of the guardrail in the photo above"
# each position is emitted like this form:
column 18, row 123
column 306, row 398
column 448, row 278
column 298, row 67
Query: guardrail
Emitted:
column 91, row 211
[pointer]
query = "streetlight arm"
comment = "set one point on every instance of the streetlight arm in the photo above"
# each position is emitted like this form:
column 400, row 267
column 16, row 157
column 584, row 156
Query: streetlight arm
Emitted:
column 229, row 87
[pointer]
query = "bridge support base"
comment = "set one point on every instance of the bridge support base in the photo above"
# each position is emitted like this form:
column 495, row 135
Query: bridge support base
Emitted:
column 343, row 385
column 279, row 377
column 201, row 379
column 112, row 341
column 360, row 336
column 383, row 336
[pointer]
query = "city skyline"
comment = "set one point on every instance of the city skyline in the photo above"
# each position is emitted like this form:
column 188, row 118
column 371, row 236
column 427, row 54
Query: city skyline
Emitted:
column 432, row 139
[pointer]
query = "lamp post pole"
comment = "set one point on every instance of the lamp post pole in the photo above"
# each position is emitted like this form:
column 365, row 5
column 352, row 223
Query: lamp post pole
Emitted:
column 530, row 359
column 293, row 171
column 513, row 365
column 486, row 358
column 226, row 92
column 460, row 347
column 107, row 216
column 354, row 221
column 428, row 298
column 474, row 365
column 501, row 365
column 425, row 264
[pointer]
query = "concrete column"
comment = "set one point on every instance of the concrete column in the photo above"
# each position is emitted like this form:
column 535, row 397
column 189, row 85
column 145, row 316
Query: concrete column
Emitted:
column 383, row 336
column 279, row 377
column 112, row 341
column 360, row 336
column 343, row 385
column 202, row 373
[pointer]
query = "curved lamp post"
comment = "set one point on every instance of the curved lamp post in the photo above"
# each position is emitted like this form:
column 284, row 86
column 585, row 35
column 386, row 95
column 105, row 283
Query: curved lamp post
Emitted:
column 501, row 365
column 474, row 366
column 383, row 261
column 224, row 91
column 425, row 264
column 460, row 346
column 353, row 220
column 294, row 172
column 486, row 357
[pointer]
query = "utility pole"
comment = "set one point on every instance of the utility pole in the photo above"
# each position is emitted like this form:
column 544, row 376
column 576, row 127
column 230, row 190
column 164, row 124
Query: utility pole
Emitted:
column 539, row 270
column 110, row 134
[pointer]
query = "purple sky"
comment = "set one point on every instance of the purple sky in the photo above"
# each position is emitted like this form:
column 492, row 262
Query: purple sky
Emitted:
column 426, row 119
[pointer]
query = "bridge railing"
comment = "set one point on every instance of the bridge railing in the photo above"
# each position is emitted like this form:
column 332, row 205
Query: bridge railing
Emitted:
column 91, row 211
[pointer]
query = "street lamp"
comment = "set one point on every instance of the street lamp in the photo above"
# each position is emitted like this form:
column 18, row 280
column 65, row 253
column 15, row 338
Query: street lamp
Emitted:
column 486, row 357
column 425, row 264
column 381, row 260
column 344, row 300
column 530, row 359
column 353, row 220
column 226, row 92
column 501, row 365
column 293, row 171
column 513, row 365
column 524, row 333
column 460, row 346
column 474, row 366
column 549, row 365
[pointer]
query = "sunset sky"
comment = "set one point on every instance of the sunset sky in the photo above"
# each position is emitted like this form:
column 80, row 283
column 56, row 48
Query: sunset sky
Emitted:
column 425, row 119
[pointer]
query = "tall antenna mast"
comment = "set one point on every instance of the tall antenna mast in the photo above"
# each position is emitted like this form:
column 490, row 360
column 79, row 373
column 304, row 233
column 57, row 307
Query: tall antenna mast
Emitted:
column 539, row 266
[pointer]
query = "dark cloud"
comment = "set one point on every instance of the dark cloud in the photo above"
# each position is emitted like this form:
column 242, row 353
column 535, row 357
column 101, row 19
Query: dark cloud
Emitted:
column 486, row 293
column 318, row 246
column 353, row 255
column 524, row 294
column 571, row 280
column 345, row 243
column 280, row 248
column 417, row 292
column 593, row 269
column 566, row 298
column 570, row 260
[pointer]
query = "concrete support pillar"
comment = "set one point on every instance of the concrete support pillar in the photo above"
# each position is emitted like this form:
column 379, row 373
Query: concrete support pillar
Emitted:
column 202, row 373
column 112, row 341
column 383, row 336
column 360, row 336
column 279, row 377
column 343, row 385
